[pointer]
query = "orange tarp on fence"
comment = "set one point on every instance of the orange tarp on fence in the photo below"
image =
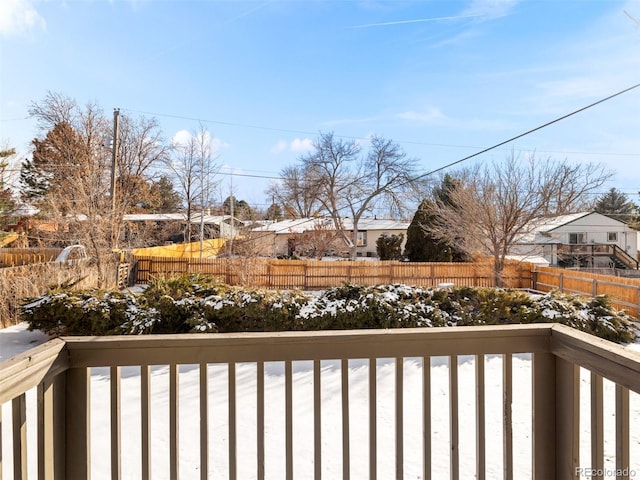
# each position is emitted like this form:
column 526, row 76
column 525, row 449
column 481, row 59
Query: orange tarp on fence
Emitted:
column 210, row 249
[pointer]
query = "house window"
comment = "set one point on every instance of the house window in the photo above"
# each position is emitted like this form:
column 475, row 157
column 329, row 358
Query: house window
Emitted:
column 362, row 239
column 612, row 236
column 577, row 238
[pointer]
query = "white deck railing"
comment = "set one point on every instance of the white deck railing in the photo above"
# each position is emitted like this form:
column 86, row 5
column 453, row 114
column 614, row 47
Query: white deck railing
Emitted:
column 60, row 373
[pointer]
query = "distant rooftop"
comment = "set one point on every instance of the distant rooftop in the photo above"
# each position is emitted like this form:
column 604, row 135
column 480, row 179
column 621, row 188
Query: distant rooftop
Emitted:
column 299, row 225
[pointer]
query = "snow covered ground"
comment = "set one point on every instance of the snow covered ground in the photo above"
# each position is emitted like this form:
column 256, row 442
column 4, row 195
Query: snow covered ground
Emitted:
column 16, row 339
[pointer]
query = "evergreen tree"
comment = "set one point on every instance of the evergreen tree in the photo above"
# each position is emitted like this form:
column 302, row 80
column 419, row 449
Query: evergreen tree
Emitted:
column 241, row 209
column 163, row 198
column 617, row 205
column 274, row 212
column 7, row 202
column 55, row 160
column 421, row 245
column 389, row 247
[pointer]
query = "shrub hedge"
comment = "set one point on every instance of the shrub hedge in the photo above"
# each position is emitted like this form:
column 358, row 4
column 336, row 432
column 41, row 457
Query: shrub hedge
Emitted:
column 200, row 304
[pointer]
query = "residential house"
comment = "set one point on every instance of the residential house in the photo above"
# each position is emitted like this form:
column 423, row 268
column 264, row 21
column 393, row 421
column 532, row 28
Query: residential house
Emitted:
column 279, row 238
column 215, row 226
column 580, row 240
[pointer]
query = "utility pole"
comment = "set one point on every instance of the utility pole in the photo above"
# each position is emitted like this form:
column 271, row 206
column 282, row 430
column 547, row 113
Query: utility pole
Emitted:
column 114, row 166
column 115, row 143
column 232, row 201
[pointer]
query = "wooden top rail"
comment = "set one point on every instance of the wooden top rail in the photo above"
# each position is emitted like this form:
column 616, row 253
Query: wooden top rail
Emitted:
column 609, row 360
column 324, row 345
column 25, row 371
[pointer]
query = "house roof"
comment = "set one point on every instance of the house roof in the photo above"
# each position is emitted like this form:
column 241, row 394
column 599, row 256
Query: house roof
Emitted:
column 154, row 217
column 541, row 226
column 298, row 225
column 226, row 224
column 551, row 223
column 181, row 217
column 540, row 230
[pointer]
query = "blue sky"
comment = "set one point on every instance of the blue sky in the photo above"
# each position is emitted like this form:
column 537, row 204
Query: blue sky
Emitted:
column 444, row 79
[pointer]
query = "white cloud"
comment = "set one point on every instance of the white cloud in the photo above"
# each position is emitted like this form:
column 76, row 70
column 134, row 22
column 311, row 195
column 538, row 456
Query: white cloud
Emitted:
column 429, row 115
column 214, row 144
column 298, row 145
column 181, row 138
column 18, row 17
column 301, row 145
column 217, row 145
column 281, row 146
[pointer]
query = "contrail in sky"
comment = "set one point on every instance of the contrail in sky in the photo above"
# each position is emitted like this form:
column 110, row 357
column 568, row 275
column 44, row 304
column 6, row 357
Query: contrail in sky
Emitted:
column 417, row 20
column 632, row 18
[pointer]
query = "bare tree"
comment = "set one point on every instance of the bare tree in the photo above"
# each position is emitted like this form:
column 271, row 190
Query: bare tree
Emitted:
column 69, row 175
column 319, row 240
column 491, row 207
column 184, row 165
column 70, row 170
column 296, row 192
column 141, row 146
column 349, row 184
column 194, row 168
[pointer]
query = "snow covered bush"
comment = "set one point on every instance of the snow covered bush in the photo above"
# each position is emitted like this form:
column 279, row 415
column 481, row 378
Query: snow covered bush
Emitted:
column 384, row 306
column 198, row 304
column 90, row 312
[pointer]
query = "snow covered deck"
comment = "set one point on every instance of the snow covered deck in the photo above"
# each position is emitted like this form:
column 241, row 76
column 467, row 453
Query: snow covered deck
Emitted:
column 351, row 404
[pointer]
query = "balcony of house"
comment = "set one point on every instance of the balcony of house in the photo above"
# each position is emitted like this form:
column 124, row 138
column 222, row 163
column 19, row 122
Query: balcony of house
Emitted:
column 595, row 255
column 485, row 402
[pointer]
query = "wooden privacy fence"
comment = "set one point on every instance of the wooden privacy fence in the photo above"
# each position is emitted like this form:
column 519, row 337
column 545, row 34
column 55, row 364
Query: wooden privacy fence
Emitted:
column 318, row 274
column 623, row 293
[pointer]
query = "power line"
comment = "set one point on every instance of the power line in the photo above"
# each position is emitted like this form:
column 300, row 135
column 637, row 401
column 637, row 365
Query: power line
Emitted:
column 403, row 142
column 528, row 132
column 16, row 119
column 468, row 157
column 488, row 149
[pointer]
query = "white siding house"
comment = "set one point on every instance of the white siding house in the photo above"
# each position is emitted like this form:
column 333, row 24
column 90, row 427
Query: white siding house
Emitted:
column 274, row 236
column 587, row 239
